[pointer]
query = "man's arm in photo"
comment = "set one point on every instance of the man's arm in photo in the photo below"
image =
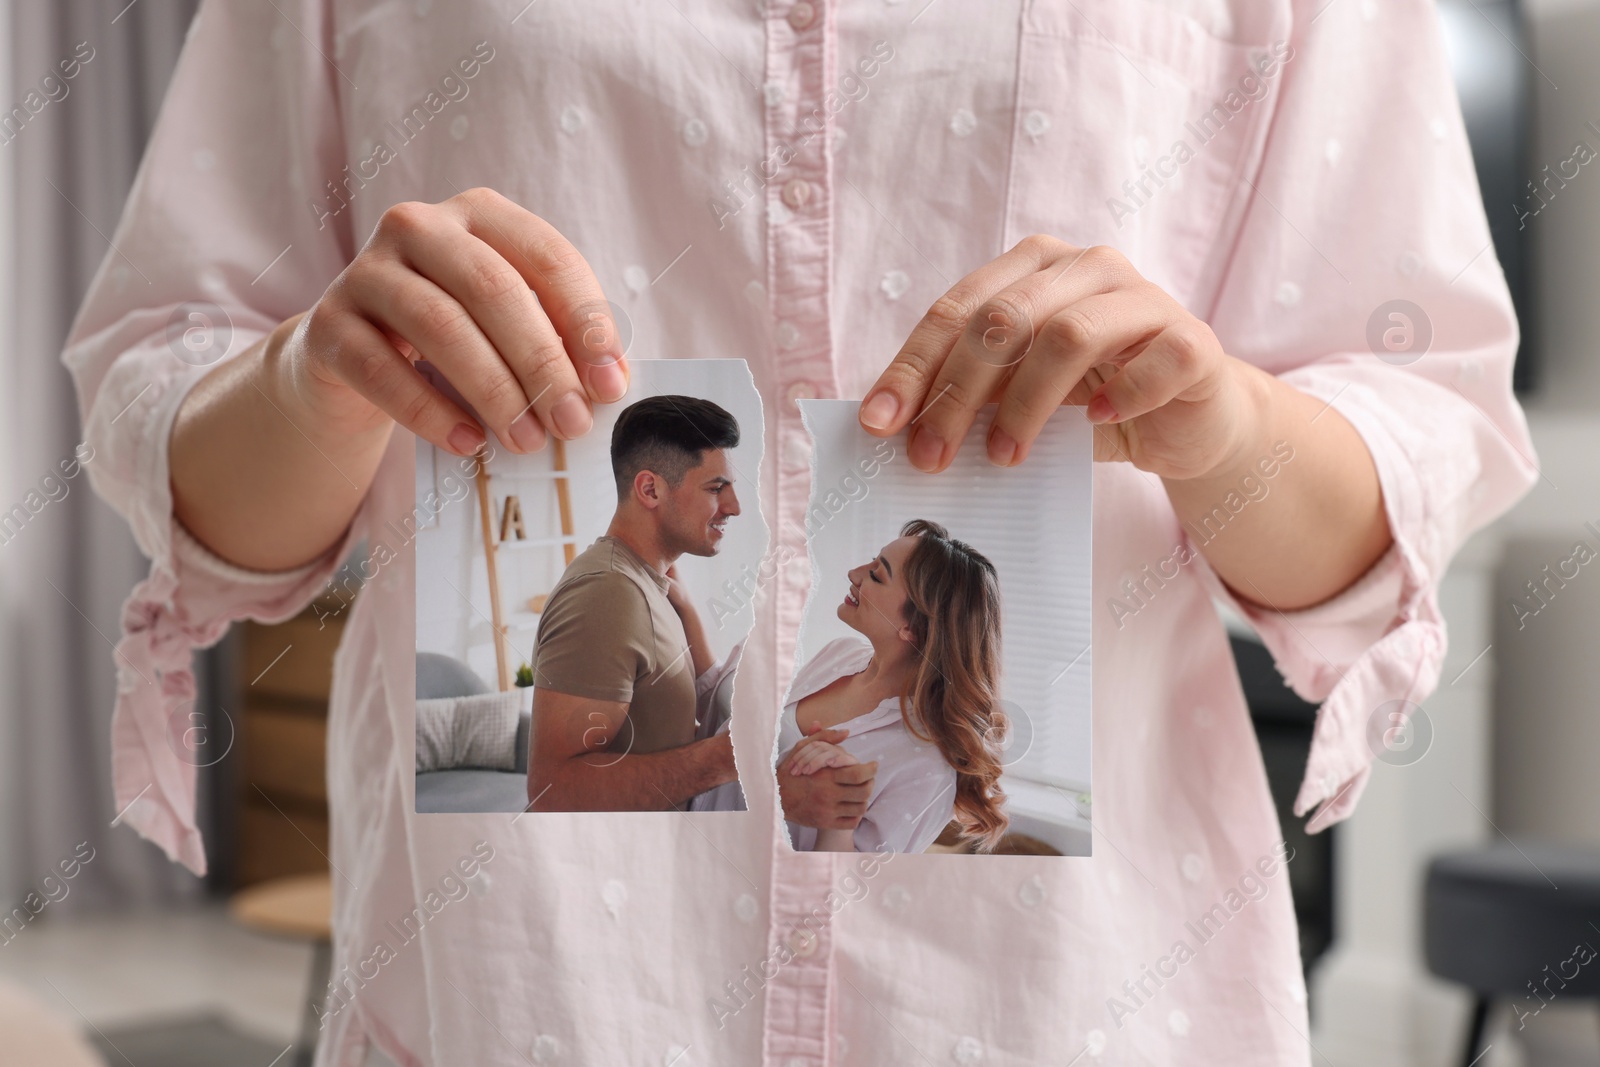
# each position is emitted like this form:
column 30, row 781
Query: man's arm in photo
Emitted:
column 570, row 769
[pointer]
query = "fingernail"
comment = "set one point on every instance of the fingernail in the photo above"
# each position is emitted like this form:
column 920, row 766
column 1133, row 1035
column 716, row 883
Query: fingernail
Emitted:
column 926, row 449
column 609, row 381
column 465, row 439
column 526, row 433
column 1002, row 447
column 880, row 409
column 1100, row 409
column 571, row 416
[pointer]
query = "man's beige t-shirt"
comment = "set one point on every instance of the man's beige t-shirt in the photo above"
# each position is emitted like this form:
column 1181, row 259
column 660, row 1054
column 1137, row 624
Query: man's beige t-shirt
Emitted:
column 608, row 632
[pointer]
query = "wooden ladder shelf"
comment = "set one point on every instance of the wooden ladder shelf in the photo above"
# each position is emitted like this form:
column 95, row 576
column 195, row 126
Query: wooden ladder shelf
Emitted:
column 491, row 547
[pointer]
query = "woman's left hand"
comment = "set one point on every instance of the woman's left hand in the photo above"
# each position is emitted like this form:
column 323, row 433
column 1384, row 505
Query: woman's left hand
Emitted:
column 1049, row 323
column 817, row 755
column 677, row 596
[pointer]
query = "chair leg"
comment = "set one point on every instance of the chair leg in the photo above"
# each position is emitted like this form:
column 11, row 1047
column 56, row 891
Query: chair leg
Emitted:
column 1480, row 1018
column 305, row 1048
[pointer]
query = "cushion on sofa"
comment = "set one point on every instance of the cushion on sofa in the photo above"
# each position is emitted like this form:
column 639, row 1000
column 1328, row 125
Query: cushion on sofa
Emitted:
column 477, row 731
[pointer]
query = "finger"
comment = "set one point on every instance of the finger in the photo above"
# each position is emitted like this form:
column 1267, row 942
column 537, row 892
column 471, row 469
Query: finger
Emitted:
column 1002, row 340
column 857, row 774
column 900, row 392
column 847, row 819
column 364, row 359
column 1181, row 357
column 550, row 394
column 1081, row 336
column 820, row 756
column 441, row 331
column 565, row 285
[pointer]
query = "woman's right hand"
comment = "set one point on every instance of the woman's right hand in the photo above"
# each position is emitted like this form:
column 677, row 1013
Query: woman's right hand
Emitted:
column 490, row 295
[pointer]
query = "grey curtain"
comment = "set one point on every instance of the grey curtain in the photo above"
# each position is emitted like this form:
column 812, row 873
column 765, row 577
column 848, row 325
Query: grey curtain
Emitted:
column 67, row 572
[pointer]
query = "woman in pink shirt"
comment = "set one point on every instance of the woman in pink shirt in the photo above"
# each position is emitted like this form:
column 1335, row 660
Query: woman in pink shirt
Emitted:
column 1188, row 216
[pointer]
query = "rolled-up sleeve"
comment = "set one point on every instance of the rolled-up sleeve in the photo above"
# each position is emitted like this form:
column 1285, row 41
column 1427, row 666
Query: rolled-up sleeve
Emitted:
column 1365, row 196
column 217, row 244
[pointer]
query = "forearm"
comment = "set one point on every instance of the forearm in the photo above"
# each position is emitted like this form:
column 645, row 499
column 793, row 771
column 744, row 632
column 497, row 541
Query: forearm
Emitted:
column 699, row 646
column 835, row 841
column 654, row 781
column 1320, row 524
column 258, row 484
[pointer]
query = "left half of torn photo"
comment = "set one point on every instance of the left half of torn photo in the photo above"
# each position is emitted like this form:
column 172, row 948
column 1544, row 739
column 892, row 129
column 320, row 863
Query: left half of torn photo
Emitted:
column 564, row 658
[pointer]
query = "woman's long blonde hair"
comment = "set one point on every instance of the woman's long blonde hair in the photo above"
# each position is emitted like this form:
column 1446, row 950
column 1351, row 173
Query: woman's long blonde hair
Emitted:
column 953, row 696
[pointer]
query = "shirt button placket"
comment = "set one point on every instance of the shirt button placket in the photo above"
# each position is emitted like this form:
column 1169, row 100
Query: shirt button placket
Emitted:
column 800, row 54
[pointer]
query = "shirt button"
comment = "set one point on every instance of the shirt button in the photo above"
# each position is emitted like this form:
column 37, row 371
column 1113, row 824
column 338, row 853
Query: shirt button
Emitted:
column 787, row 334
column 799, row 391
column 796, row 193
column 802, row 15
column 802, row 942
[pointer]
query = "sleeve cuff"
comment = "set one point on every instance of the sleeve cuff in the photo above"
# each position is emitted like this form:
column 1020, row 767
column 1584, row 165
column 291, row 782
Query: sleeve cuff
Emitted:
column 1379, row 641
column 188, row 601
column 194, row 554
column 1309, row 643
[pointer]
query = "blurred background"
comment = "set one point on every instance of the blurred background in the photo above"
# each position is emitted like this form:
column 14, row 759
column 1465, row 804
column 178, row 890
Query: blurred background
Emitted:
column 1446, row 923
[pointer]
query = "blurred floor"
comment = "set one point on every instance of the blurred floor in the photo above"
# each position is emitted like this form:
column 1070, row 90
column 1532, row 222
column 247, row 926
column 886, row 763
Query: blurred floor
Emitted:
column 1561, row 1035
column 115, row 972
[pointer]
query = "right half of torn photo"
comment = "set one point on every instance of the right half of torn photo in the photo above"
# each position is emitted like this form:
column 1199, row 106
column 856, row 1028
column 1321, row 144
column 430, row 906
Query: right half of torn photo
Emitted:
column 947, row 640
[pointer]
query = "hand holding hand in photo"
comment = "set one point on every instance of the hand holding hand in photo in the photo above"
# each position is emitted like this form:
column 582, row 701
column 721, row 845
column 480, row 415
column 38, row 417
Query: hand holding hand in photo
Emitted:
column 1048, row 323
column 834, row 798
column 489, row 294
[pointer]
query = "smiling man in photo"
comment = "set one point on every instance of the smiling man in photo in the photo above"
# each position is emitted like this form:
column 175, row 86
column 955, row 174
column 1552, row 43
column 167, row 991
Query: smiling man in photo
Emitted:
column 620, row 646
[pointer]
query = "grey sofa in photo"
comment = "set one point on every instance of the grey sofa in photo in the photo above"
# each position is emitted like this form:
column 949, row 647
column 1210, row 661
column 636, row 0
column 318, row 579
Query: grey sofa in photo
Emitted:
column 468, row 789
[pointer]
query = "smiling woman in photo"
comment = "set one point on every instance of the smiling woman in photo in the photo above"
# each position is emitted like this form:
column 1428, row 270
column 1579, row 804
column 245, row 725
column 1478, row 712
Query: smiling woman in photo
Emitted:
column 918, row 691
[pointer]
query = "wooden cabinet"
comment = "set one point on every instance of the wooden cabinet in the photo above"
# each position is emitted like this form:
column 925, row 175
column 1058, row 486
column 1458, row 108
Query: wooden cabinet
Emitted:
column 283, row 677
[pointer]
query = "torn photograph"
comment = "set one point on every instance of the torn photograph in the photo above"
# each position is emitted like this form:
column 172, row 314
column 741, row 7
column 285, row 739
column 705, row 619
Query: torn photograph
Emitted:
column 562, row 661
column 946, row 639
